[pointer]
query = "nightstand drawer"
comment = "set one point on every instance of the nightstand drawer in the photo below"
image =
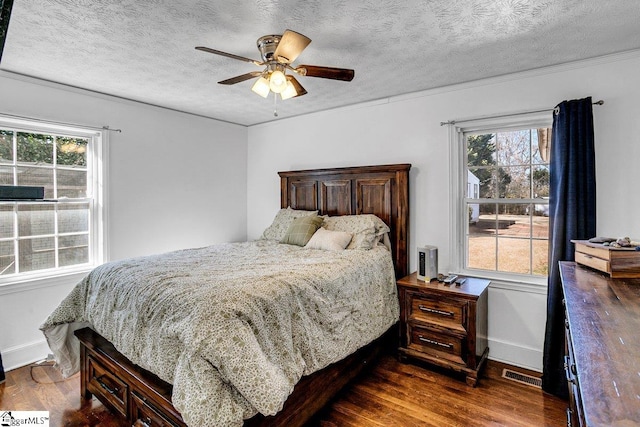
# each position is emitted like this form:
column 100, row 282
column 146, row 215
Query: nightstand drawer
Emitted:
column 435, row 343
column 445, row 312
column 103, row 383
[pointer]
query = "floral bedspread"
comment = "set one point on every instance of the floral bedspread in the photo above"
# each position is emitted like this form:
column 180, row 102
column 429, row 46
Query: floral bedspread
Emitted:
column 235, row 326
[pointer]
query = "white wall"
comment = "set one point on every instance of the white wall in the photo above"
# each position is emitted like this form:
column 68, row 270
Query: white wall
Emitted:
column 177, row 180
column 174, row 181
column 407, row 129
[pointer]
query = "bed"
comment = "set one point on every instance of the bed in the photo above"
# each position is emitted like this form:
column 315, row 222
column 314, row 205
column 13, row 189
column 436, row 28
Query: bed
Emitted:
column 263, row 371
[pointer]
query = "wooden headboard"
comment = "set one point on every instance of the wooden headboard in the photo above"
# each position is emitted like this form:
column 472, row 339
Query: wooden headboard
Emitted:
column 379, row 190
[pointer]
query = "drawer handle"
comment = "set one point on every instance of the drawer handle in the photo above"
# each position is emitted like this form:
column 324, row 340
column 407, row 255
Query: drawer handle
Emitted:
column 434, row 342
column 106, row 387
column 143, row 423
column 571, row 379
column 569, row 417
column 433, row 310
column 569, row 369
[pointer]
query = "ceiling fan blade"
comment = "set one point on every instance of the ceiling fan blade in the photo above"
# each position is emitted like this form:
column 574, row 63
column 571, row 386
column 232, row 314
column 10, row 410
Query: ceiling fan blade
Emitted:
column 298, row 87
column 290, row 46
column 326, row 72
column 228, row 55
column 238, row 79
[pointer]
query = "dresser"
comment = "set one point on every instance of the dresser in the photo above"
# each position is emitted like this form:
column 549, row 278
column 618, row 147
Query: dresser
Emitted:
column 445, row 325
column 602, row 360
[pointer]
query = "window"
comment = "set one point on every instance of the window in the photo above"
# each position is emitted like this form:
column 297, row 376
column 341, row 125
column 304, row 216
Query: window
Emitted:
column 63, row 232
column 502, row 198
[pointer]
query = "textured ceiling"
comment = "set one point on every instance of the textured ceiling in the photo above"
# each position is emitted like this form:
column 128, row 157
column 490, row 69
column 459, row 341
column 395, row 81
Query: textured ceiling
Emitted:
column 144, row 50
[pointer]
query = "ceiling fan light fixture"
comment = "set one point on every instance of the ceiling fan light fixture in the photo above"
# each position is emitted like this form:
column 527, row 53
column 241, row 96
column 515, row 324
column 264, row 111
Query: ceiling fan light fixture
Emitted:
column 261, row 87
column 277, row 81
column 289, row 91
column 293, row 89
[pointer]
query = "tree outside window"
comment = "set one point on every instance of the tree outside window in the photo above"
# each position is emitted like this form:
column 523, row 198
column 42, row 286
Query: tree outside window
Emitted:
column 510, row 231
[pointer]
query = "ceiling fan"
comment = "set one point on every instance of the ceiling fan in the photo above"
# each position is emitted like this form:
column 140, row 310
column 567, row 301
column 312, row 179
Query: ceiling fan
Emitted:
column 278, row 53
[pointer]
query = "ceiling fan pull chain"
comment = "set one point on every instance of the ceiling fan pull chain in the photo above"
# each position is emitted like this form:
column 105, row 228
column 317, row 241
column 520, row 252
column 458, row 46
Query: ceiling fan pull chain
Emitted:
column 275, row 106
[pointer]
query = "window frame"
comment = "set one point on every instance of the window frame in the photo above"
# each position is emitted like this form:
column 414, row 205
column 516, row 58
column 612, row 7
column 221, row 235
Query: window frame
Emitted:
column 458, row 180
column 96, row 180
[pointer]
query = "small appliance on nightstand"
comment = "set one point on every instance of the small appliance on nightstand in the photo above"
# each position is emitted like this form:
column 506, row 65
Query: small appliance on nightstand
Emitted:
column 445, row 324
column 427, row 263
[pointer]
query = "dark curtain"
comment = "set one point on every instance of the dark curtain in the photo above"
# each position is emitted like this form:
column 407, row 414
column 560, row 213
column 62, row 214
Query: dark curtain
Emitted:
column 1, row 370
column 572, row 215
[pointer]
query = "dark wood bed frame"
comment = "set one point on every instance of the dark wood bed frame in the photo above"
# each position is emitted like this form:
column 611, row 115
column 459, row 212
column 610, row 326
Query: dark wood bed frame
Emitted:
column 145, row 400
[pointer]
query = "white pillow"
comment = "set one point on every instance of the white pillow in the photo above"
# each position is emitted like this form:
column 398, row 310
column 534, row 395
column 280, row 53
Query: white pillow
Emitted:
column 329, row 240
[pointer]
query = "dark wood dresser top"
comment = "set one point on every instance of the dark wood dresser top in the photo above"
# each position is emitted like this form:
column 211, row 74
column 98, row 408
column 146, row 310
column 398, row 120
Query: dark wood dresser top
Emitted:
column 604, row 322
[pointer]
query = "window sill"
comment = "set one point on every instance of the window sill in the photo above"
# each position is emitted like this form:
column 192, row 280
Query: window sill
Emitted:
column 513, row 282
column 47, row 280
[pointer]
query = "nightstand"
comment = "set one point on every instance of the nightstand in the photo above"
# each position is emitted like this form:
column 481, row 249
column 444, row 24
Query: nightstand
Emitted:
column 445, row 325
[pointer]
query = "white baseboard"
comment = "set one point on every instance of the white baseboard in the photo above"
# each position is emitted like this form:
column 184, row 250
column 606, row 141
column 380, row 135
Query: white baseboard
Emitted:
column 511, row 353
column 516, row 355
column 15, row 357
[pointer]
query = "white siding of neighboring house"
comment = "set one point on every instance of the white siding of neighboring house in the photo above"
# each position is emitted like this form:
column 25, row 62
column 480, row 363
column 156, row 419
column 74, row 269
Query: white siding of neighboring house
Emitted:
column 473, row 192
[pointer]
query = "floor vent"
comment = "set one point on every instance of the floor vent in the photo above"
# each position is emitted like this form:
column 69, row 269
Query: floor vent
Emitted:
column 522, row 378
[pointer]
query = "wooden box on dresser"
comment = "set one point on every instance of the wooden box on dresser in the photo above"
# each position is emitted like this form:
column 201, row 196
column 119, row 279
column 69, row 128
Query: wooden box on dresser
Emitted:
column 444, row 324
column 603, row 347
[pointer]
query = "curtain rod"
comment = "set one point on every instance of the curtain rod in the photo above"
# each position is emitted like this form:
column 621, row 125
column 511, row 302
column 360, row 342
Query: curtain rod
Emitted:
column 52, row 122
column 453, row 122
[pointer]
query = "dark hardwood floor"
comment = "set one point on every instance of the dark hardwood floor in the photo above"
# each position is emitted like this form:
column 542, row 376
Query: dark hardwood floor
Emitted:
column 390, row 394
